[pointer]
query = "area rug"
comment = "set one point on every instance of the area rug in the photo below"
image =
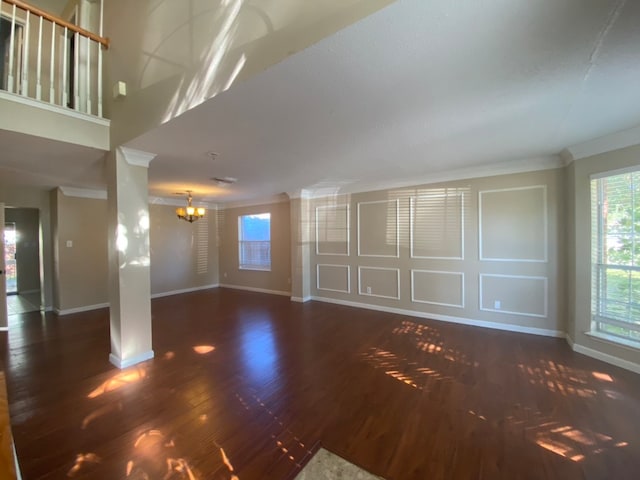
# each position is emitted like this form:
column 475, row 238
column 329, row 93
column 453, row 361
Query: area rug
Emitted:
column 324, row 465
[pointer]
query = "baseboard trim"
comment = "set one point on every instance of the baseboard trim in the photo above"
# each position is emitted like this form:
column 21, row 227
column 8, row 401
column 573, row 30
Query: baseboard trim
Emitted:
column 98, row 306
column 605, row 357
column 4, row 329
column 447, row 318
column 86, row 308
column 130, row 361
column 570, row 341
column 300, row 299
column 258, row 290
column 15, row 461
column 28, row 292
column 184, row 290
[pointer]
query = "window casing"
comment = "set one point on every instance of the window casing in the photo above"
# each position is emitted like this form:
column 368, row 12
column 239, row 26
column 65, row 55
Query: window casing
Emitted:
column 615, row 256
column 254, row 241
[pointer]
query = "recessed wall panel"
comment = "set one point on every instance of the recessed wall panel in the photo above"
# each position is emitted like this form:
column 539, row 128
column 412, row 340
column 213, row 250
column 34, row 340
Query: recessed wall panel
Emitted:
column 333, row 278
column 378, row 229
column 332, row 230
column 514, row 294
column 513, row 224
column 437, row 225
column 437, row 288
column 379, row 282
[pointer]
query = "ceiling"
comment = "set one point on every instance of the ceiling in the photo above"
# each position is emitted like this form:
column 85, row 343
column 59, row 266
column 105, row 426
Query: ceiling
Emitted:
column 417, row 92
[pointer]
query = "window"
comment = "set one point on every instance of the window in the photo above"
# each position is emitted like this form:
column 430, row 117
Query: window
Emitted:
column 615, row 256
column 254, row 234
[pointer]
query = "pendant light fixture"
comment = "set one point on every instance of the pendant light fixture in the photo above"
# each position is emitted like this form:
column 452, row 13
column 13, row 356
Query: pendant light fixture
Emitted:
column 191, row 213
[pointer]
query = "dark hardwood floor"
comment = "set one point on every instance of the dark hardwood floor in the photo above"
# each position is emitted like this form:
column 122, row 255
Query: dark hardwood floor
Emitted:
column 244, row 384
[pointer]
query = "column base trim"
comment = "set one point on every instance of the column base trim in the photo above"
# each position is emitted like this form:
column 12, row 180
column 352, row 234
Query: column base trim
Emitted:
column 118, row 362
column 301, row 299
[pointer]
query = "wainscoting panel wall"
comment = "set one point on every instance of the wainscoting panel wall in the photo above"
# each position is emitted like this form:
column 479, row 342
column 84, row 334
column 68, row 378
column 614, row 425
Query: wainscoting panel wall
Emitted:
column 513, row 224
column 333, row 278
column 437, row 288
column 379, row 282
column 515, row 294
column 378, row 229
column 485, row 251
column 437, row 224
column 332, row 230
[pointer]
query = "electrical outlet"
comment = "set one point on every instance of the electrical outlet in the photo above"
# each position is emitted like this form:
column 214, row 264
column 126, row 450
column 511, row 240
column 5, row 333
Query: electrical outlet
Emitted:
column 368, row 289
column 69, row 243
column 225, row 274
column 497, row 304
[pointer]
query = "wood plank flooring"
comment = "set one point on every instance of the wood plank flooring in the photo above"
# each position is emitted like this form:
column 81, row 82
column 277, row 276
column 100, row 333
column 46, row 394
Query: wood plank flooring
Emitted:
column 244, row 384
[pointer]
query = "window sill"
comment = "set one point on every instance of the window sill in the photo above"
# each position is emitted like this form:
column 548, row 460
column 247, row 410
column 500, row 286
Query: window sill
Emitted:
column 256, row 269
column 613, row 340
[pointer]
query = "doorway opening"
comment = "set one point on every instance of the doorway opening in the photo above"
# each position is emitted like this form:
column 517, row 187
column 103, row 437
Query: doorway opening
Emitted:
column 22, row 260
column 10, row 258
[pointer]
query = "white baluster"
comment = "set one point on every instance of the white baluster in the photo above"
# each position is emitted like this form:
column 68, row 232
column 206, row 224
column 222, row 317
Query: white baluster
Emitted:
column 52, row 67
column 100, row 61
column 65, row 98
column 76, row 60
column 88, row 75
column 39, row 66
column 25, row 57
column 10, row 79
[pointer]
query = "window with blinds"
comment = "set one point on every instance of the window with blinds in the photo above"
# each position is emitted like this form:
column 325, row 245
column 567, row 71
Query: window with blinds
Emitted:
column 254, row 234
column 615, row 255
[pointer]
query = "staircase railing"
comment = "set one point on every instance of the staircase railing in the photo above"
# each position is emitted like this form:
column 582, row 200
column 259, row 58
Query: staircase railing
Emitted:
column 49, row 59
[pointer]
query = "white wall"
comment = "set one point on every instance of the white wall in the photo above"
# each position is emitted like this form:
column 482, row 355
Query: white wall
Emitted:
column 175, row 55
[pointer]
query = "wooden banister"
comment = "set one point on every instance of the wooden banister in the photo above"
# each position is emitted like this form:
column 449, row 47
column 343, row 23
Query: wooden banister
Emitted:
column 59, row 21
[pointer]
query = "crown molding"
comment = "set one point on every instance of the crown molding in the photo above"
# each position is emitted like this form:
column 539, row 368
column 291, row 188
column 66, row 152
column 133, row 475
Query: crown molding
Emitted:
column 102, row 195
column 503, row 168
column 279, row 198
column 606, row 143
column 83, row 193
column 302, row 193
column 180, row 202
column 136, row 158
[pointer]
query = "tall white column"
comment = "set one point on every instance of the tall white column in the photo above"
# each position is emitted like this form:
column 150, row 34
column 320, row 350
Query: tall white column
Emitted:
column 129, row 264
column 300, row 215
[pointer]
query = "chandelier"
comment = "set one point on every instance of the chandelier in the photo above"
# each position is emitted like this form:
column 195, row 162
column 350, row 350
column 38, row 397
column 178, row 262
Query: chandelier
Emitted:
column 191, row 213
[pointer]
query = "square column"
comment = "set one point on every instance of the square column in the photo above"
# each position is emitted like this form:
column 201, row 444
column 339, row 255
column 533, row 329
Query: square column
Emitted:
column 300, row 216
column 129, row 257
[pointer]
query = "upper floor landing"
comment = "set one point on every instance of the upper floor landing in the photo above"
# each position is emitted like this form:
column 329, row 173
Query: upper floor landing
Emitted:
column 51, row 76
